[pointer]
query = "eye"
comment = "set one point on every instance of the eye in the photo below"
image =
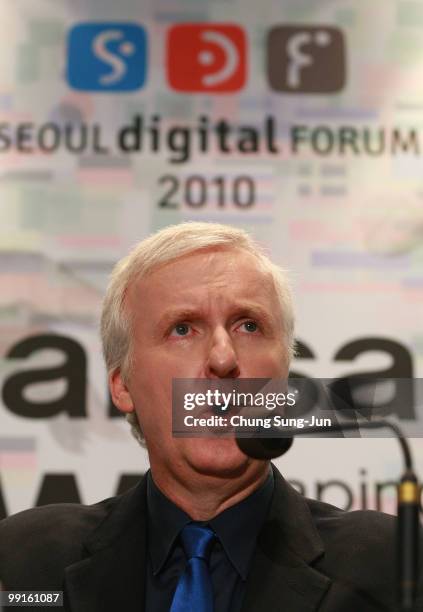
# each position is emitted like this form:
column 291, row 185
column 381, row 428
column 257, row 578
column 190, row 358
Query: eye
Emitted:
column 250, row 326
column 181, row 329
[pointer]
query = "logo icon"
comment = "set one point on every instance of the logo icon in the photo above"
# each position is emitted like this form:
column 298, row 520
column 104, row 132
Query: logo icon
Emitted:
column 107, row 57
column 204, row 57
column 306, row 59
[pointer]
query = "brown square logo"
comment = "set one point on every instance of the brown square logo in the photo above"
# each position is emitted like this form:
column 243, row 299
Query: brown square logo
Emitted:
column 306, row 59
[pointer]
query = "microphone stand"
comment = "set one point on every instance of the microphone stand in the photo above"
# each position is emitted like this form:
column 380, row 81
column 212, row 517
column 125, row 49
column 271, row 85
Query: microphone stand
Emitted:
column 408, row 525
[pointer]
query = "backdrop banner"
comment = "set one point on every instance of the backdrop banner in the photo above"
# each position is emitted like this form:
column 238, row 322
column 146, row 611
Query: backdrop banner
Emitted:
column 300, row 122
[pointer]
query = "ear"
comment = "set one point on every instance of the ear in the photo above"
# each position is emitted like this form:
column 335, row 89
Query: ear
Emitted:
column 120, row 393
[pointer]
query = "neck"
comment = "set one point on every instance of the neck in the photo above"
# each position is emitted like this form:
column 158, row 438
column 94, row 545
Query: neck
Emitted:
column 203, row 497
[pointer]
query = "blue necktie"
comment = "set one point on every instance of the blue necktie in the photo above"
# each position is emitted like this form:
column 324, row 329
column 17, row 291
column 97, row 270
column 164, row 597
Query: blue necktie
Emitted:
column 194, row 591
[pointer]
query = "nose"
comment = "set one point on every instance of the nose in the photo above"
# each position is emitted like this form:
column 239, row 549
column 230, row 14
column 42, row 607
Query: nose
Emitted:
column 222, row 360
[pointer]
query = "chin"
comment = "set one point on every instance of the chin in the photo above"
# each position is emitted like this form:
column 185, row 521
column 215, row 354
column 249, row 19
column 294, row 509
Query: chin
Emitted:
column 219, row 457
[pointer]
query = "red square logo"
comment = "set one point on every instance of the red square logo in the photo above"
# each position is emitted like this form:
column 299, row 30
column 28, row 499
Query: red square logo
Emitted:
column 206, row 57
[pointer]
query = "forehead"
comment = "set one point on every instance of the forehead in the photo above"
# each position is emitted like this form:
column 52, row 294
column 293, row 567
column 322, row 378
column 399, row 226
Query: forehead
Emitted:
column 224, row 273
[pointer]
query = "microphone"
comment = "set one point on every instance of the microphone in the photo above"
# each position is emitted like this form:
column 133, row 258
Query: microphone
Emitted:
column 264, row 448
column 408, row 539
column 408, row 525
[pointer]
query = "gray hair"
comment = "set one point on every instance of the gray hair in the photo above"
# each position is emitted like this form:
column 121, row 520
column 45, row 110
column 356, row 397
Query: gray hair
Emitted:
column 163, row 247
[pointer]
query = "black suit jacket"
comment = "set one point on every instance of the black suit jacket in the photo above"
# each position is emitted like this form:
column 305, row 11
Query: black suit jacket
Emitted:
column 310, row 556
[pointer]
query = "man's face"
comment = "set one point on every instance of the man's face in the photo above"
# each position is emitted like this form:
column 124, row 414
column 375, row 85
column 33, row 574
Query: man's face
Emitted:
column 209, row 314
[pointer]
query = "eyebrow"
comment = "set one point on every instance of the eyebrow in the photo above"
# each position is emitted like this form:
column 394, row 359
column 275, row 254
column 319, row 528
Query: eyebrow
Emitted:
column 177, row 313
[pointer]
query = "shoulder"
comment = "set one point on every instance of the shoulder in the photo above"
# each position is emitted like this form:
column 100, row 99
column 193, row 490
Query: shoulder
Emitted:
column 354, row 532
column 359, row 531
column 360, row 548
column 45, row 540
column 54, row 522
column 329, row 517
column 356, row 550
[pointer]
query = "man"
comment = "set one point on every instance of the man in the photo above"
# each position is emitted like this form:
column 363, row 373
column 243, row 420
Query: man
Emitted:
column 201, row 301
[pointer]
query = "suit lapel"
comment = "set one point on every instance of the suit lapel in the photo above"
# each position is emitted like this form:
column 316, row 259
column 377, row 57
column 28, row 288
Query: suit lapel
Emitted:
column 281, row 577
column 112, row 577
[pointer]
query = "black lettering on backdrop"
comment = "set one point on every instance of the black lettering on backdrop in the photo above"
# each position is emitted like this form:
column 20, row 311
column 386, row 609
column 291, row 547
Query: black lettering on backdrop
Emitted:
column 150, row 134
column 308, row 391
column 349, row 391
column 79, row 144
column 197, row 191
column 322, row 486
column 73, row 370
column 348, row 141
column 364, row 504
column 298, row 485
column 179, row 142
column 5, row 140
column 129, row 137
column 3, row 512
column 374, row 146
column 303, row 351
column 49, row 137
column 375, row 141
column 405, row 143
column 23, row 135
column 98, row 146
column 127, row 481
column 249, row 141
column 63, row 488
column 58, row 488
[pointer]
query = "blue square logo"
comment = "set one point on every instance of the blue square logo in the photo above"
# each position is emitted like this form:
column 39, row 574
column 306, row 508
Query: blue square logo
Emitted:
column 107, row 57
